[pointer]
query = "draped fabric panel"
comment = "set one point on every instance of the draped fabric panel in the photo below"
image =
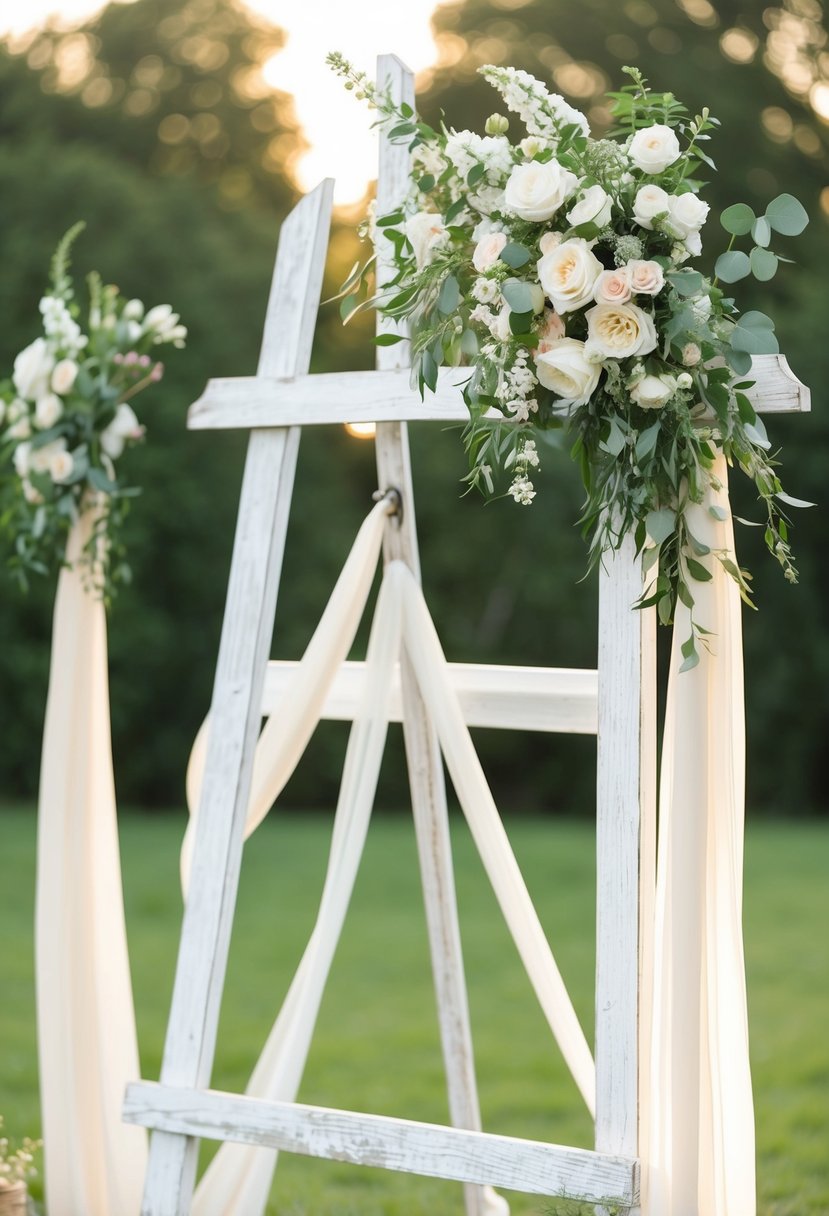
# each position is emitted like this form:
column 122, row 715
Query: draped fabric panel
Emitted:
column 698, row 1146
column 94, row 1163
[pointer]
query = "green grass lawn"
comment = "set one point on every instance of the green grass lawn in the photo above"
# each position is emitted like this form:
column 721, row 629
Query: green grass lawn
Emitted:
column 377, row 1045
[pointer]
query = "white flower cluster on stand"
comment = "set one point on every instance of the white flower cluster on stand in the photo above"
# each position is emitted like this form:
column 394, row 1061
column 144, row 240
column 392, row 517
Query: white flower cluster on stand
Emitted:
column 65, row 417
column 558, row 267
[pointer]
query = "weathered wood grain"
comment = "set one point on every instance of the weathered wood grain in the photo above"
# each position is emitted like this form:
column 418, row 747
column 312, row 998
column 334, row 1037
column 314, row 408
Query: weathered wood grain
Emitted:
column 236, row 705
column 388, row 396
column 388, row 1143
column 625, row 835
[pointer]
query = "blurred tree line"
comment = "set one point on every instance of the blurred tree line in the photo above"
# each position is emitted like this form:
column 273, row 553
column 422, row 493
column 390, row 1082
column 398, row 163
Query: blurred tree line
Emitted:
column 154, row 124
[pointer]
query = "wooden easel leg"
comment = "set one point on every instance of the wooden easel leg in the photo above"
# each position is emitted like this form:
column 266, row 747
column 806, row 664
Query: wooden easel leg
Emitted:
column 625, row 850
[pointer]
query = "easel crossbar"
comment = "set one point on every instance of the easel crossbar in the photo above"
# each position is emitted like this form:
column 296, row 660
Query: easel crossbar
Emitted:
column 402, row 1145
column 388, row 396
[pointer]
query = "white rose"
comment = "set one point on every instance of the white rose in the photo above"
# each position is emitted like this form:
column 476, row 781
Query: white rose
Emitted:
column 61, row 466
column 654, row 148
column 651, row 392
column 621, row 330
column 550, row 241
column 536, row 191
column 650, row 202
column 426, row 232
column 124, row 426
column 691, row 354
column 21, row 459
column 693, row 244
column 646, row 278
column 40, row 459
column 565, row 370
column 594, row 207
column 568, row 274
column 47, row 411
column 488, row 250
column 64, row 375
column 687, row 214
column 21, row 429
column 684, row 380
column 32, row 369
column 613, row 286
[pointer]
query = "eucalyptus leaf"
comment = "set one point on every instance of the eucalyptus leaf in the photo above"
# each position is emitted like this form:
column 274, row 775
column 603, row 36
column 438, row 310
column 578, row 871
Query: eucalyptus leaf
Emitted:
column 732, row 266
column 754, row 341
column 763, row 264
column 761, row 232
column 689, row 653
column 793, row 502
column 660, row 524
column 786, row 215
column 518, row 295
column 515, row 254
column 737, row 219
column 450, row 295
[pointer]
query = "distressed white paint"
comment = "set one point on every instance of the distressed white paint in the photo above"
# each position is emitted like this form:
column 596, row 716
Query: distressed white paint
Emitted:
column 388, row 1143
column 237, row 696
column 545, row 699
column 425, row 765
column 389, row 396
column 625, row 828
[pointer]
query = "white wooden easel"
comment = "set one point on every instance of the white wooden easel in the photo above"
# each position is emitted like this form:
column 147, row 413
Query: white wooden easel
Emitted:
column 622, row 709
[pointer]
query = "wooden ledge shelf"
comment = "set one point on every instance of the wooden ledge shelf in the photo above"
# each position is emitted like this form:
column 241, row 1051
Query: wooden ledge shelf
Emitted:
column 395, row 1144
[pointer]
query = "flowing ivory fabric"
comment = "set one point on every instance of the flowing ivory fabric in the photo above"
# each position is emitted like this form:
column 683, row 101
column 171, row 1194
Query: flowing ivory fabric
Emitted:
column 698, row 1126
column 94, row 1163
column 239, row 1178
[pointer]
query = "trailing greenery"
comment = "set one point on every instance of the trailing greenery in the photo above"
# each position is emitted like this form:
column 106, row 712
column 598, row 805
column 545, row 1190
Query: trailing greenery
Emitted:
column 555, row 267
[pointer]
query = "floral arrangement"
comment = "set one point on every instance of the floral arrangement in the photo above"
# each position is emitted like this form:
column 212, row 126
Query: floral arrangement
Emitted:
column 16, row 1166
column 558, row 268
column 65, row 420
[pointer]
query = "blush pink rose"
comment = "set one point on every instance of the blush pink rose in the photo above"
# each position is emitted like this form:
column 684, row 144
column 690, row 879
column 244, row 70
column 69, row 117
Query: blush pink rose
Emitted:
column 646, row 278
column 613, row 287
column 488, row 250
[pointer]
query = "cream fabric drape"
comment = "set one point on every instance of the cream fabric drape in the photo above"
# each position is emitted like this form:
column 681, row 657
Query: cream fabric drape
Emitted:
column 94, row 1163
column 238, row 1180
column 699, row 1120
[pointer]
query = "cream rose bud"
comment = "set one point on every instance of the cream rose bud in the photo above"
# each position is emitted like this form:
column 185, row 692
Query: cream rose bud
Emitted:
column 47, row 411
column 425, row 232
column 550, row 241
column 651, row 392
column 536, row 191
column 133, row 310
column 621, row 330
column 613, row 287
column 594, row 207
column 650, row 202
column 691, row 354
column 684, row 380
column 654, row 148
column 488, row 250
column 646, row 278
column 61, row 466
column 565, row 370
column 32, row 369
column 64, row 376
column 31, row 495
column 687, row 214
column 568, row 275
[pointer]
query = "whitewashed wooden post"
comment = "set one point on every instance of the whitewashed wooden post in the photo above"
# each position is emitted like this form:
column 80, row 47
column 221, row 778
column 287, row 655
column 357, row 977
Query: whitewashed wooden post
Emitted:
column 237, row 698
column 625, row 848
column 423, row 756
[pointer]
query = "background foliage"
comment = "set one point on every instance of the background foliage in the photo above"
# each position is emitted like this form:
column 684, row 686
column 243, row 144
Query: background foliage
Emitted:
column 153, row 123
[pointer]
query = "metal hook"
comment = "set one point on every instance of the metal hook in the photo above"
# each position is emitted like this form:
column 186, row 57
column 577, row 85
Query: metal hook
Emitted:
column 394, row 500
